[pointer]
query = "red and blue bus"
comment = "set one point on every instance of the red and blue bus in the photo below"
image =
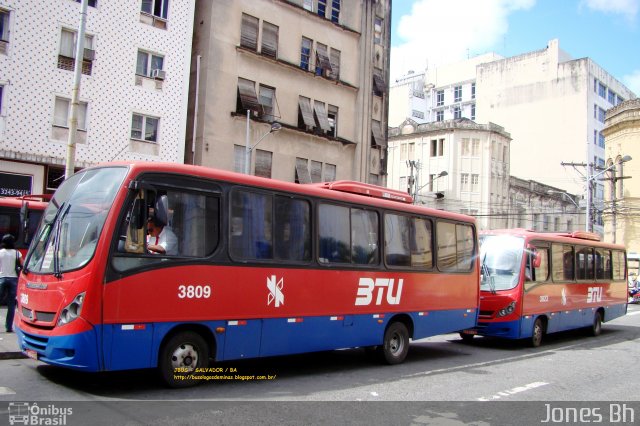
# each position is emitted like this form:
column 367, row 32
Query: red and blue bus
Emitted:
column 534, row 283
column 19, row 216
column 258, row 268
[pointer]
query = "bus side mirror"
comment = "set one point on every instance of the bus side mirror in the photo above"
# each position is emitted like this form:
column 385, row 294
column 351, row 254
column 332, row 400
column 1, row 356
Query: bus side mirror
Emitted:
column 24, row 221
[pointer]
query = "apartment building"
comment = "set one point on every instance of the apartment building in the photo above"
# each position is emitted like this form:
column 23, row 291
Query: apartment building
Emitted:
column 553, row 105
column 294, row 90
column 456, row 165
column 133, row 93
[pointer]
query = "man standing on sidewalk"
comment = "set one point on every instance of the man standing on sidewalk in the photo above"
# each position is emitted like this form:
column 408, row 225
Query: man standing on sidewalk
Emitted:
column 9, row 269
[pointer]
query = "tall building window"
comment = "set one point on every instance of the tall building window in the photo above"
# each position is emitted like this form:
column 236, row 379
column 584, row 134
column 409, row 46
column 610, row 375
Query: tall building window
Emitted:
column 439, row 115
column 305, row 53
column 473, row 111
column 147, row 62
column 249, row 32
column 601, row 115
column 308, row 5
column 322, row 8
column 323, row 63
column 377, row 30
column 335, row 11
column 440, row 147
column 440, row 98
column 67, row 54
column 466, row 148
column 457, row 94
column 611, row 97
column 157, row 8
column 464, row 182
column 266, row 98
column 475, row 179
column 473, row 90
column 263, row 163
column 457, row 112
column 4, row 26
column 334, row 60
column 475, row 147
column 269, row 40
column 602, row 90
column 144, row 127
column 333, row 120
column 62, row 110
column 434, row 148
column 601, row 139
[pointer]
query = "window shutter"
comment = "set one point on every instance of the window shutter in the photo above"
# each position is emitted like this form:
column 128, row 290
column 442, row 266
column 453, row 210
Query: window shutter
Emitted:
column 316, row 171
column 269, row 40
column 248, row 97
column 307, row 112
column 322, row 57
column 249, row 32
column 321, row 115
column 376, row 129
column 302, row 171
column 335, row 64
column 263, row 163
column 378, row 82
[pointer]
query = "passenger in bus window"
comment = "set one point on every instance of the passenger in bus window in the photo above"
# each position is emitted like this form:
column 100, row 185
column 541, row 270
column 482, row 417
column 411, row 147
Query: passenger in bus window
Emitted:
column 161, row 239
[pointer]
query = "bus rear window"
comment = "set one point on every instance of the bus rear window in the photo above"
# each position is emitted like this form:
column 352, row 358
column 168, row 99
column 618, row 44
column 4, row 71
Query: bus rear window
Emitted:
column 455, row 246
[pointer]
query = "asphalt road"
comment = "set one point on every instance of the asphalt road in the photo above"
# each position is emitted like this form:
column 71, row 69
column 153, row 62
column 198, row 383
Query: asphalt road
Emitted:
column 443, row 381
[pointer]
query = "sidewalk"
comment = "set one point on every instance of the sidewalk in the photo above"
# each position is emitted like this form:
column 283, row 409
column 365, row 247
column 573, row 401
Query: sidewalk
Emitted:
column 8, row 341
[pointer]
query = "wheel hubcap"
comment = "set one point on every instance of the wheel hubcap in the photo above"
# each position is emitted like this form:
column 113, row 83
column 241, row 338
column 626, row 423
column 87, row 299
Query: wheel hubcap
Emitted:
column 184, row 356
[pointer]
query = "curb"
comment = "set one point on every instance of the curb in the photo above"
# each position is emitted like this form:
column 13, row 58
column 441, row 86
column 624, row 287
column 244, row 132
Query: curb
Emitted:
column 12, row 355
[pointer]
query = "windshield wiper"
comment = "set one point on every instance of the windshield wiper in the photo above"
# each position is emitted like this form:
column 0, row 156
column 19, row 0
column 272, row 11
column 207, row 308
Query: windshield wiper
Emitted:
column 487, row 273
column 56, row 242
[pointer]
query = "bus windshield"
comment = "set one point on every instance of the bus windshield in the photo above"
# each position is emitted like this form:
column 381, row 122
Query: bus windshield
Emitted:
column 501, row 257
column 73, row 220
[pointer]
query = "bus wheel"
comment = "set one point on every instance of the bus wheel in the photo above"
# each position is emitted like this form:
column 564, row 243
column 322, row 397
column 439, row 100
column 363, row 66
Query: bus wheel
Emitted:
column 538, row 332
column 596, row 327
column 180, row 356
column 396, row 343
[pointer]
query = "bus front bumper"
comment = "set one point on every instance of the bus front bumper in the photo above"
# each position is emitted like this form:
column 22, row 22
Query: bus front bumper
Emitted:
column 76, row 351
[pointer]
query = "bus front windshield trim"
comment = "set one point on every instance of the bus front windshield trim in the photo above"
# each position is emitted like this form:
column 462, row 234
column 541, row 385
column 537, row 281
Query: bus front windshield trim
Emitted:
column 501, row 261
column 72, row 223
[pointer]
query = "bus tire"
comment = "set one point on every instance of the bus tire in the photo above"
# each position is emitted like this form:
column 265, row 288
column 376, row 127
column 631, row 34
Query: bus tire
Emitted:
column 396, row 343
column 537, row 333
column 596, row 327
column 180, row 356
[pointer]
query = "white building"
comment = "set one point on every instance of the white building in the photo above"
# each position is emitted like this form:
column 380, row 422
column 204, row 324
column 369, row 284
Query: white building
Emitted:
column 474, row 156
column 553, row 106
column 133, row 92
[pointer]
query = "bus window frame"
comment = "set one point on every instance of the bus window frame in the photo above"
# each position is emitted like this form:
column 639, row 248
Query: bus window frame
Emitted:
column 436, row 248
column 349, row 206
column 228, row 206
column 411, row 217
column 160, row 182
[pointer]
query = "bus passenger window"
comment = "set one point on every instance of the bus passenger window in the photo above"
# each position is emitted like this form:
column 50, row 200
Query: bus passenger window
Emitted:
column 397, row 251
column 251, row 220
column 603, row 264
column 421, row 244
column 364, row 237
column 334, row 234
column 541, row 273
column 292, row 239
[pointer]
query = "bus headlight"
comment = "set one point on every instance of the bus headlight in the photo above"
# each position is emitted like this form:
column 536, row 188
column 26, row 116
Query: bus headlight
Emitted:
column 72, row 310
column 508, row 310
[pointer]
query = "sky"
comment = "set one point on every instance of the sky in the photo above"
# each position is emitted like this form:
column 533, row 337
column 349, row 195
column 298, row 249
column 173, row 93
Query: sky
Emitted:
column 431, row 32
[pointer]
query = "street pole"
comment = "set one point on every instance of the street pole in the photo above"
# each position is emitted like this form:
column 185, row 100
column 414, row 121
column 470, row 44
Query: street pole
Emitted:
column 75, row 93
column 247, row 147
column 588, row 213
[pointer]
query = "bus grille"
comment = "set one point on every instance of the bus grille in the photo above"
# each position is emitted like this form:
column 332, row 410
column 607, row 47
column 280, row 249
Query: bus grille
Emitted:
column 35, row 342
column 486, row 314
column 46, row 317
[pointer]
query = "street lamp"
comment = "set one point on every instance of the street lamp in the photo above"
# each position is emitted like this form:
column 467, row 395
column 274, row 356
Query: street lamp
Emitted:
column 564, row 194
column 439, row 175
column 592, row 178
column 248, row 147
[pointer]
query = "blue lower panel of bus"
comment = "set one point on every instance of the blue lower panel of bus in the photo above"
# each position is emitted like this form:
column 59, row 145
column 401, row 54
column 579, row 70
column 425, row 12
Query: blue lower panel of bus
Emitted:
column 555, row 322
column 77, row 351
column 131, row 346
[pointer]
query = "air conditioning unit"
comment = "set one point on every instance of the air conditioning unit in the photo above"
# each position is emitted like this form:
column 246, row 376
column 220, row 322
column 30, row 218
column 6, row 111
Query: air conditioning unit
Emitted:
column 158, row 74
column 88, row 54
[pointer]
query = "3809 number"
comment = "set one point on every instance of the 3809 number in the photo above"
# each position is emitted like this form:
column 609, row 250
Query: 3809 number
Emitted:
column 194, row 291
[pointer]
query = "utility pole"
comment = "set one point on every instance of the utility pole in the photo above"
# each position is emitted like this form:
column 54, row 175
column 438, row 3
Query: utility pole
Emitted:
column 75, row 93
column 588, row 190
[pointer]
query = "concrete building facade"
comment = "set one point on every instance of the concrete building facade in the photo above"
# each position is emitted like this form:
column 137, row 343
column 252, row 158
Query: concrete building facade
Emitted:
column 317, row 68
column 622, row 183
column 133, row 93
column 474, row 156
